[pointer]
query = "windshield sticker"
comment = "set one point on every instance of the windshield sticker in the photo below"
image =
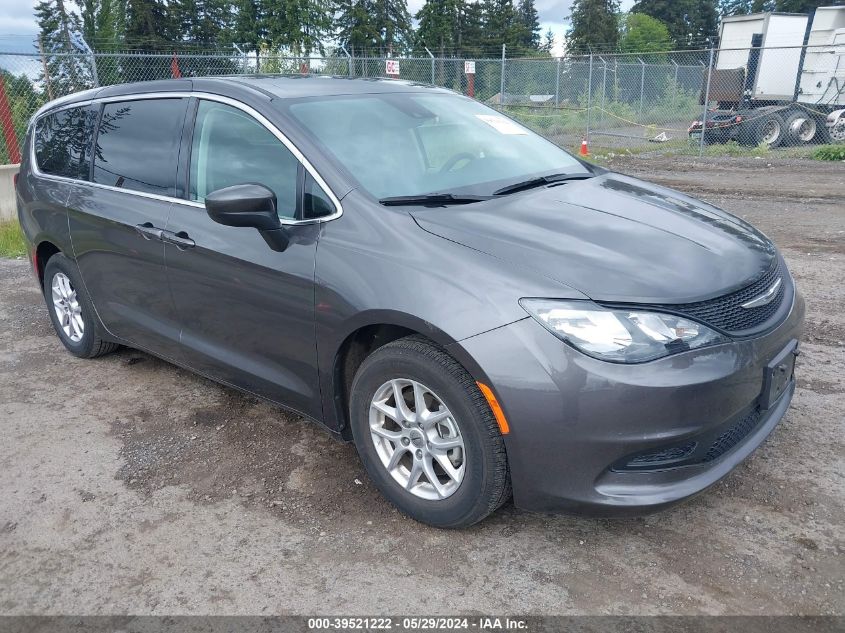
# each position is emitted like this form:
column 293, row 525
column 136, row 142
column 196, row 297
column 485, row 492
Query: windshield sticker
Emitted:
column 501, row 124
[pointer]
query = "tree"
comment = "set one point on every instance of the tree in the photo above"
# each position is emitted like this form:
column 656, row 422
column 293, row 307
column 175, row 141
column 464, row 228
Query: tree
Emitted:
column 200, row 21
column 148, row 25
column 500, row 24
column 690, row 22
column 298, row 26
column 529, row 24
column 471, row 36
column 440, row 24
column 354, row 26
column 593, row 26
column 249, row 26
column 103, row 23
column 804, row 6
column 392, row 24
column 744, row 7
column 641, row 33
column 548, row 43
column 57, row 28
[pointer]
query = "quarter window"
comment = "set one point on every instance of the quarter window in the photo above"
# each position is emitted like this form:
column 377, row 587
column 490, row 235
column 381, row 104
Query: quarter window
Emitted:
column 138, row 145
column 63, row 142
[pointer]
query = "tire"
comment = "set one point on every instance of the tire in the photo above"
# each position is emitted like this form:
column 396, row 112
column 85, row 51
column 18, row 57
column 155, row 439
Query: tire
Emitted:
column 766, row 129
column 413, row 364
column 801, row 128
column 79, row 329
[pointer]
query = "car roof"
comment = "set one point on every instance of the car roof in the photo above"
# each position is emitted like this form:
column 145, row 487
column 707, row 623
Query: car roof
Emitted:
column 273, row 86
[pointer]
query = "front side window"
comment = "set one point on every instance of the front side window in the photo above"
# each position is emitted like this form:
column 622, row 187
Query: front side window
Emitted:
column 138, row 145
column 231, row 148
column 63, row 142
column 407, row 144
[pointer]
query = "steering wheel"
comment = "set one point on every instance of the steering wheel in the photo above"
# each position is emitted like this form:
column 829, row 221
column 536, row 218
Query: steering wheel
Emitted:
column 454, row 160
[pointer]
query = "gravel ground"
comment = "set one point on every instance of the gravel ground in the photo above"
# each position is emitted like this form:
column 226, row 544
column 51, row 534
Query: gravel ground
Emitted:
column 131, row 486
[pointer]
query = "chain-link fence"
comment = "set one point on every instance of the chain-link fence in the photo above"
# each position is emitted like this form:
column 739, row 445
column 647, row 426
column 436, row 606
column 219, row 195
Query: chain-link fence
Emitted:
column 619, row 102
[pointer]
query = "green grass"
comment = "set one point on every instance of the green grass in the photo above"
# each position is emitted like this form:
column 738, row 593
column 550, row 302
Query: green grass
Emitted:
column 11, row 240
column 829, row 152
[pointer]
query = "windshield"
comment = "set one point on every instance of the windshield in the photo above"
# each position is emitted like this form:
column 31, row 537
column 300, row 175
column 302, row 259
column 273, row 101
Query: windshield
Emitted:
column 408, row 144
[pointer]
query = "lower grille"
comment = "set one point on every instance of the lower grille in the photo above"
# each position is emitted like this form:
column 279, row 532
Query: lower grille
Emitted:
column 700, row 450
column 663, row 457
column 733, row 436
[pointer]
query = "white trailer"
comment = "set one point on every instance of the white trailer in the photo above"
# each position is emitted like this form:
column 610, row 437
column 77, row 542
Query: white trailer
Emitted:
column 784, row 79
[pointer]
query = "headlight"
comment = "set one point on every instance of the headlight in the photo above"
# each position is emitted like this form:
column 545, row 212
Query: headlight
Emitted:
column 622, row 336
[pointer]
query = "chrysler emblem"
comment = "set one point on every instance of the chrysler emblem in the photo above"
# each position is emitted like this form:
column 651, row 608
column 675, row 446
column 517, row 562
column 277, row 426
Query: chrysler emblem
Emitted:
column 765, row 298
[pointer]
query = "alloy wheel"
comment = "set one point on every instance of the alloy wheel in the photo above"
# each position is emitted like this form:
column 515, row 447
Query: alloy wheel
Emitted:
column 417, row 439
column 67, row 307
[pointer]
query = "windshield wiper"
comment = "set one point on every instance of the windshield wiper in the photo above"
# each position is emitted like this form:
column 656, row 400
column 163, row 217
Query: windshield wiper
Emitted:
column 539, row 182
column 432, row 199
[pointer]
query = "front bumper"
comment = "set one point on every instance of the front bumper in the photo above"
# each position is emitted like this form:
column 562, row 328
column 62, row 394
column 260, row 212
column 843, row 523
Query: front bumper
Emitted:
column 606, row 439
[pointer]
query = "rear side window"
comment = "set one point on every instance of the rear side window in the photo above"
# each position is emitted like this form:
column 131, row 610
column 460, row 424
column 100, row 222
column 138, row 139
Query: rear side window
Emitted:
column 138, row 145
column 63, row 142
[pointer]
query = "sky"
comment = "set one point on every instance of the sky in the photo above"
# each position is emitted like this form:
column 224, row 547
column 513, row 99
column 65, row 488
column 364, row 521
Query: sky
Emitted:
column 17, row 23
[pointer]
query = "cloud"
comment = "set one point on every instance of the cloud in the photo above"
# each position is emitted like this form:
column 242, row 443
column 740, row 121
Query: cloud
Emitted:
column 17, row 17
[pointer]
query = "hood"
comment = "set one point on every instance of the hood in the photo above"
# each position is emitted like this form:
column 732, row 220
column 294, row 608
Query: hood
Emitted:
column 613, row 238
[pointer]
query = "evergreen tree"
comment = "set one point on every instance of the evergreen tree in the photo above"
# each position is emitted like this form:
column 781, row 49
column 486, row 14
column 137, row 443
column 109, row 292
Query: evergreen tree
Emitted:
column 548, row 43
column 57, row 28
column 501, row 24
column 148, row 25
column 102, row 23
column 440, row 26
column 354, row 26
column 690, row 22
column 593, row 26
column 199, row 21
column 529, row 23
column 470, row 36
column 392, row 23
column 249, row 25
column 297, row 26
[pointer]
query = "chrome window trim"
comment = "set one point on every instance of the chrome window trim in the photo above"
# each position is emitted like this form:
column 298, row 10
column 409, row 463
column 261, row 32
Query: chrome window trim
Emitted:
column 184, row 201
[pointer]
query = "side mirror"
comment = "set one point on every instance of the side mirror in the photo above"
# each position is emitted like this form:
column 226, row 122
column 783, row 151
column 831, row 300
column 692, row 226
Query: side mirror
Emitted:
column 249, row 205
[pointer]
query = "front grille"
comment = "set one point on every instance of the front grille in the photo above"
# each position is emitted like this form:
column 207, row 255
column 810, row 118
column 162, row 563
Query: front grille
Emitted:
column 733, row 436
column 727, row 313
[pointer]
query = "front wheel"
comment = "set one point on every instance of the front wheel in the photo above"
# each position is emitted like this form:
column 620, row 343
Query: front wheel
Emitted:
column 427, row 436
column 71, row 310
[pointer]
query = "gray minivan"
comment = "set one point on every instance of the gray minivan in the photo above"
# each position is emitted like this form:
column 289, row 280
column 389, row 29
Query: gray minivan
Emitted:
column 482, row 313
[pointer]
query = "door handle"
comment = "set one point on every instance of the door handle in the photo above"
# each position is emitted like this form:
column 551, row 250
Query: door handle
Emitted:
column 180, row 240
column 148, row 231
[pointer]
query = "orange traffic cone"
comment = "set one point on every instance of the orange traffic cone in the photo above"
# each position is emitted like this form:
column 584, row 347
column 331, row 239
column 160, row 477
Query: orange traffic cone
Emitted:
column 584, row 151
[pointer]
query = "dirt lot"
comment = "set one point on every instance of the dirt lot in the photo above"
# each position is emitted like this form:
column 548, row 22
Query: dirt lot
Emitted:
column 129, row 485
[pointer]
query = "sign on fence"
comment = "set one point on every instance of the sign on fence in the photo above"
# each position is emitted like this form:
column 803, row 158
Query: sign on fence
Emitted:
column 469, row 68
column 391, row 67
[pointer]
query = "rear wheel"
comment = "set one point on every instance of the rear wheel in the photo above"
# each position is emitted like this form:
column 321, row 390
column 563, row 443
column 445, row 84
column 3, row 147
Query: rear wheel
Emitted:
column 801, row 128
column 426, row 435
column 71, row 311
column 765, row 129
